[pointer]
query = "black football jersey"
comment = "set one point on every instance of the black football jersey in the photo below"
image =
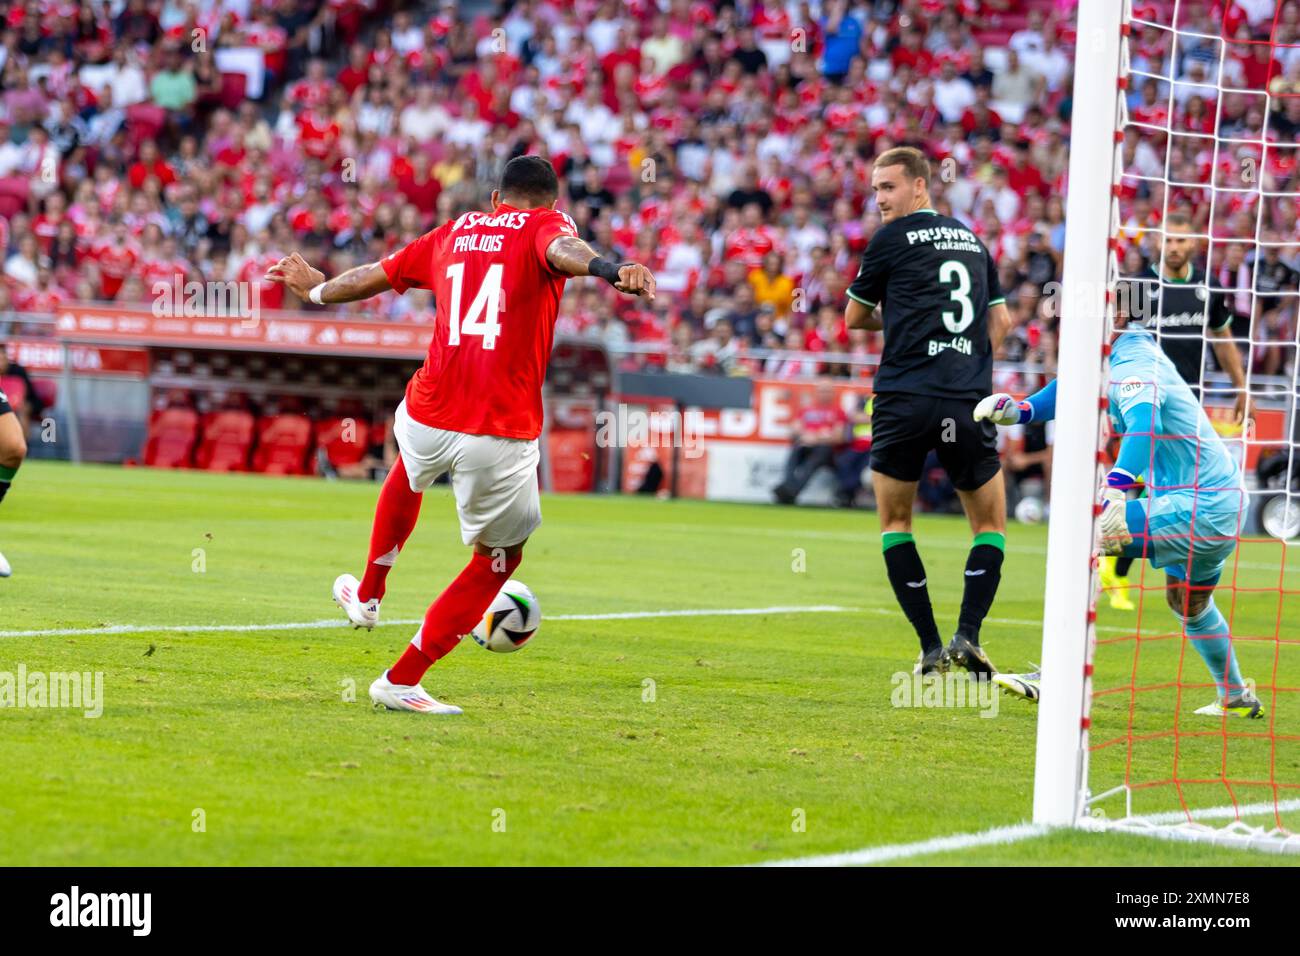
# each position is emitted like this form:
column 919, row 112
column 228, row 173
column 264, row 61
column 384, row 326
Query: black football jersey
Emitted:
column 1178, row 312
column 934, row 281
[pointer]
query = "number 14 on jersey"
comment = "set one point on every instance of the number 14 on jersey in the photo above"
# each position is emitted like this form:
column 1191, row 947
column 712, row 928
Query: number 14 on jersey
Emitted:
column 481, row 317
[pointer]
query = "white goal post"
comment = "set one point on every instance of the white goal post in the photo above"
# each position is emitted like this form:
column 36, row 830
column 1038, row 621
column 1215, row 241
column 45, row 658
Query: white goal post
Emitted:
column 1060, row 766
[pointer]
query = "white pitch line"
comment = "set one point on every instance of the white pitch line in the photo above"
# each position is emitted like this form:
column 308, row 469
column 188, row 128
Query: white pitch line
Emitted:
column 410, row 622
column 902, row 851
column 1014, row 834
column 337, row 622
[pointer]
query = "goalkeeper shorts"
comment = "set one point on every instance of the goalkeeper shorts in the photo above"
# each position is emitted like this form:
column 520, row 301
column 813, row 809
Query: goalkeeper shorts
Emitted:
column 905, row 427
column 1192, row 534
column 494, row 479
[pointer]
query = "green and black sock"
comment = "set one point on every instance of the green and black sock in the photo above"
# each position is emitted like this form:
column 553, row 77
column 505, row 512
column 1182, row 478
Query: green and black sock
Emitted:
column 907, row 575
column 6, row 479
column 1122, row 567
column 983, row 573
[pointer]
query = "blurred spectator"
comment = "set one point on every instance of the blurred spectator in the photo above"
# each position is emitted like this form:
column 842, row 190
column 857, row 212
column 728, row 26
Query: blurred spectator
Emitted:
column 30, row 406
column 771, row 285
column 718, row 351
column 854, row 459
column 818, row 432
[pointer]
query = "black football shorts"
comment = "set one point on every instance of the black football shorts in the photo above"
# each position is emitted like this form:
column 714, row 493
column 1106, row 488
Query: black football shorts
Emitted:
column 5, row 407
column 905, row 427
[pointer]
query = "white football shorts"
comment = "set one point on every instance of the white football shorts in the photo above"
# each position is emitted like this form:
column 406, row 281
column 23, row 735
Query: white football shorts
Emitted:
column 494, row 479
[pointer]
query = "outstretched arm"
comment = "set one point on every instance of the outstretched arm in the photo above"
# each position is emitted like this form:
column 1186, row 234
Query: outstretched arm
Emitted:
column 571, row 256
column 1003, row 409
column 301, row 279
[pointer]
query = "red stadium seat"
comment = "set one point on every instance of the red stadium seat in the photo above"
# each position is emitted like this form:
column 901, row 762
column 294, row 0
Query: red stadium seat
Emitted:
column 145, row 121
column 172, row 435
column 47, row 390
column 227, row 441
column 15, row 389
column 282, row 443
column 345, row 440
column 233, row 86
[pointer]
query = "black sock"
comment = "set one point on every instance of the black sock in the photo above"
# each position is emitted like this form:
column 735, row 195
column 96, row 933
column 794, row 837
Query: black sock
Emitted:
column 1122, row 566
column 6, row 478
column 903, row 563
column 983, row 573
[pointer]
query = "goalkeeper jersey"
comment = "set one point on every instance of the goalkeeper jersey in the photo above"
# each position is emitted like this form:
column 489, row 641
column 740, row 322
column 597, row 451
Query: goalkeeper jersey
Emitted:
column 1187, row 453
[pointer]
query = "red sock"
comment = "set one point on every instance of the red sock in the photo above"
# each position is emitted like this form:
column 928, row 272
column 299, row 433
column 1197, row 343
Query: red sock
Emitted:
column 395, row 517
column 453, row 615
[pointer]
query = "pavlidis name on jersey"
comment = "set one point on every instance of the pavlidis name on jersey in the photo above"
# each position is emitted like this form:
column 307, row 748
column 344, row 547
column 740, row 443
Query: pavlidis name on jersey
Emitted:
column 505, row 220
column 479, row 242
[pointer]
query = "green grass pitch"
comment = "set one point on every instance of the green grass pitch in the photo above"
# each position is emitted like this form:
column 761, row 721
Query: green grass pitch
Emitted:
column 669, row 740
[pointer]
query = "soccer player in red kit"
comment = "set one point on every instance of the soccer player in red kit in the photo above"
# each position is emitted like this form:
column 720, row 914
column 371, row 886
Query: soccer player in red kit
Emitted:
column 474, row 410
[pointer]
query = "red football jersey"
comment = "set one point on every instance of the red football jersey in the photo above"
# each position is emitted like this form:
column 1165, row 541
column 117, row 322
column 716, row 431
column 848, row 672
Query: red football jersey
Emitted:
column 497, row 300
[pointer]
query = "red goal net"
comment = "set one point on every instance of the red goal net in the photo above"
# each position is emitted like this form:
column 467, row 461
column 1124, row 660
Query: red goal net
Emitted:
column 1205, row 197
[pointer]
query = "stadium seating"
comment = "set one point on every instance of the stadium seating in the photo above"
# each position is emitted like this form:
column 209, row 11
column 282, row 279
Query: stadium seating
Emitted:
column 345, row 440
column 227, row 441
column 282, row 443
column 173, row 433
column 731, row 128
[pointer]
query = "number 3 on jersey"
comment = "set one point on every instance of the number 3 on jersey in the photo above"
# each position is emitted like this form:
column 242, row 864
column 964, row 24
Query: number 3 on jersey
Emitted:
column 952, row 269
column 481, row 319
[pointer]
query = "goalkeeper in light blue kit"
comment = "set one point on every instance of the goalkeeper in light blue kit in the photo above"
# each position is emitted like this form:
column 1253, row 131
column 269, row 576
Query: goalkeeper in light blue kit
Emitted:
column 1189, row 524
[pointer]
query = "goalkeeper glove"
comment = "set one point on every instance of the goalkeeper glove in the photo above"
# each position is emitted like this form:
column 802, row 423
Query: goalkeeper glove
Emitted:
column 1002, row 409
column 1115, row 535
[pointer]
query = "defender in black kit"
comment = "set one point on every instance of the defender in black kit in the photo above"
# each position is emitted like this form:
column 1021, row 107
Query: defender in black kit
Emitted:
column 930, row 284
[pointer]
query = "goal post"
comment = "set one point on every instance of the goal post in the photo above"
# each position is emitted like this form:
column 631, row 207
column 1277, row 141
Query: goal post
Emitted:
column 1060, row 762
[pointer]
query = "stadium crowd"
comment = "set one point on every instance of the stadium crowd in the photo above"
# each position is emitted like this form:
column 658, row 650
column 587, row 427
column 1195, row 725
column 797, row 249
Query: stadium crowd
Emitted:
column 727, row 145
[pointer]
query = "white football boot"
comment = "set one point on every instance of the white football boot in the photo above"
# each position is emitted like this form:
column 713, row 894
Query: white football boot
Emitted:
column 402, row 697
column 345, row 596
column 1245, row 705
column 4, row 567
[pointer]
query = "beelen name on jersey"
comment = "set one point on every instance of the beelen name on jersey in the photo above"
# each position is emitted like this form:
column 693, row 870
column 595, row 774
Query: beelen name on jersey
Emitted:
column 479, row 242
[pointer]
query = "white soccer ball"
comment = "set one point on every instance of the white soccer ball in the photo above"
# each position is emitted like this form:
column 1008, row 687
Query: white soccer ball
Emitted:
column 511, row 620
column 1029, row 510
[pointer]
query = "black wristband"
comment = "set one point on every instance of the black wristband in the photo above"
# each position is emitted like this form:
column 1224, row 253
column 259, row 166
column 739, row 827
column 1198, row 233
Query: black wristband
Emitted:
column 604, row 269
